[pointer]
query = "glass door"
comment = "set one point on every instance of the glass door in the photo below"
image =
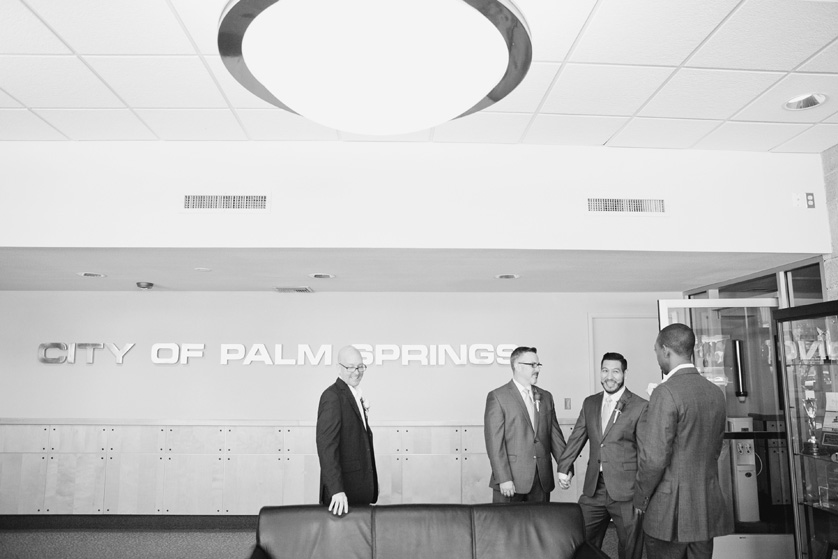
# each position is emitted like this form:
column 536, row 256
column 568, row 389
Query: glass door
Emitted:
column 735, row 351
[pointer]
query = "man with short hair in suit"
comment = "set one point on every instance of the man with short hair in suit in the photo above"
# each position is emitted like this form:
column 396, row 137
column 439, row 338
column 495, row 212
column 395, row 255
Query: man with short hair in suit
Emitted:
column 679, row 440
column 344, row 439
column 522, row 432
column 609, row 421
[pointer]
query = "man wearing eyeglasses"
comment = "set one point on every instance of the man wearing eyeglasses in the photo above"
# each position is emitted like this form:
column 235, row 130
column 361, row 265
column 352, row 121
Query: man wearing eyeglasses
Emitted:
column 521, row 432
column 344, row 439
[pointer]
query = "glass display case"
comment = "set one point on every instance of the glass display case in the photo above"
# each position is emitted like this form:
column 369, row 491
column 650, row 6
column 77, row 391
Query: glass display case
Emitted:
column 807, row 345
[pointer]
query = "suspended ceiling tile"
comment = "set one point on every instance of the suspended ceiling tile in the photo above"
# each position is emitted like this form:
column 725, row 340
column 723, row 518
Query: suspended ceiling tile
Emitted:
column 528, row 96
column 20, row 124
column 554, row 26
column 573, row 129
column 7, row 102
column 708, row 93
column 193, row 124
column 483, row 128
column 770, row 35
column 824, row 61
column 589, row 89
column 662, row 32
column 97, row 124
column 662, row 133
column 235, row 92
column 168, row 82
column 817, row 139
column 54, row 82
column 24, row 33
column 201, row 18
column 750, row 136
column 771, row 105
column 420, row 136
column 115, row 26
column 278, row 124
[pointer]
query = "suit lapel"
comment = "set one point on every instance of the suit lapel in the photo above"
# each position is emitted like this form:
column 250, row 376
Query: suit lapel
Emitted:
column 347, row 393
column 624, row 399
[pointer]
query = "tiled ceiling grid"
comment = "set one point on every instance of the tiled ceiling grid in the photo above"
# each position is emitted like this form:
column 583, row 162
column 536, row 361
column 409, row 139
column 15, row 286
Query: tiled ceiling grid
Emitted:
column 691, row 74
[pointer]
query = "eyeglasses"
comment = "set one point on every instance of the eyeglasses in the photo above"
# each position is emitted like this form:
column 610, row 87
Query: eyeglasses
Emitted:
column 533, row 365
column 360, row 368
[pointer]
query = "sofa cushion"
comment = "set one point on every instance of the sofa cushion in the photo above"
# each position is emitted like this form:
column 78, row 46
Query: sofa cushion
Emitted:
column 423, row 532
column 553, row 530
column 312, row 532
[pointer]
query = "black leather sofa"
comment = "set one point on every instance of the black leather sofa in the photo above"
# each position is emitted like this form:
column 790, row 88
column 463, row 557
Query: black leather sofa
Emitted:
column 513, row 531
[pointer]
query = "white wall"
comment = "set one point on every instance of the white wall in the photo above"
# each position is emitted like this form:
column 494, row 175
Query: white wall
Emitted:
column 375, row 195
column 558, row 324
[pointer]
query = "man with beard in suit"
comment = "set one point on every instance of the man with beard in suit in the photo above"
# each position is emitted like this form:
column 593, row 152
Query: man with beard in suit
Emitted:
column 609, row 421
column 344, row 439
column 679, row 441
column 522, row 432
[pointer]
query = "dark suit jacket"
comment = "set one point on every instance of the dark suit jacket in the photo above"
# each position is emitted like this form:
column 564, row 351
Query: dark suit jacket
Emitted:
column 616, row 449
column 344, row 447
column 680, row 438
column 514, row 447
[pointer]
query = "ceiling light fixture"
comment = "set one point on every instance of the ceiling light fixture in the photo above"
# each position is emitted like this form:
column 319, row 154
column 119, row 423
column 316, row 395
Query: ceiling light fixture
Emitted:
column 379, row 67
column 203, row 269
column 507, row 276
column 321, row 276
column 807, row 101
column 90, row 275
column 146, row 285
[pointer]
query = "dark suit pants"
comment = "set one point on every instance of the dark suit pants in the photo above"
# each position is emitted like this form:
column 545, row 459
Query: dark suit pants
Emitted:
column 660, row 549
column 536, row 494
column 600, row 509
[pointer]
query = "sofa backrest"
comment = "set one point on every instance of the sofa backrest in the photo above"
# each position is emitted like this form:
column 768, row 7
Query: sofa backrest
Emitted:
column 534, row 531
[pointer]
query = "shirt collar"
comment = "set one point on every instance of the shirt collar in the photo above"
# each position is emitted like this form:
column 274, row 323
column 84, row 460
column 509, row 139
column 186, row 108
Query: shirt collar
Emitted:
column 355, row 391
column 678, row 368
column 614, row 397
column 520, row 386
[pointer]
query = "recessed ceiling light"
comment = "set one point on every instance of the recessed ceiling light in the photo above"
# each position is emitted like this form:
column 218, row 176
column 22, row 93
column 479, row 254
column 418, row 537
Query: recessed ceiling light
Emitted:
column 145, row 285
column 321, row 276
column 807, row 101
column 507, row 276
column 90, row 275
column 203, row 269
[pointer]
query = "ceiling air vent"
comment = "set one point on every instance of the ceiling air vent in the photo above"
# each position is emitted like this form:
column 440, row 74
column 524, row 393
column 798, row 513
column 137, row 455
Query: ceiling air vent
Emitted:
column 224, row 202
column 303, row 289
column 626, row 205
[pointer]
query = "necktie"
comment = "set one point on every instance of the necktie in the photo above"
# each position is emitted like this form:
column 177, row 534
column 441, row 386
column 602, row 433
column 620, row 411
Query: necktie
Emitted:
column 530, row 405
column 606, row 412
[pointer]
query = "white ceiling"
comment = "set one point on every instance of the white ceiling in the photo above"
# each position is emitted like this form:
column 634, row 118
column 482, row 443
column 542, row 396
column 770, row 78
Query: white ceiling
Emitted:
column 703, row 74
column 374, row 270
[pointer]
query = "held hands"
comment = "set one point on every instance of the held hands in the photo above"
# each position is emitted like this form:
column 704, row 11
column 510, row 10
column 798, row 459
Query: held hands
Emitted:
column 564, row 480
column 340, row 504
column 507, row 488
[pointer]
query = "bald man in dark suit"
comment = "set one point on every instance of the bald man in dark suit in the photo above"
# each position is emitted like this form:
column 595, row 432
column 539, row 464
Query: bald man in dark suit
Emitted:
column 344, row 440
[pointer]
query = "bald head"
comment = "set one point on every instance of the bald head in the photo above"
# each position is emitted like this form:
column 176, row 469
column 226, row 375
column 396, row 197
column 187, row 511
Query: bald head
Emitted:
column 351, row 366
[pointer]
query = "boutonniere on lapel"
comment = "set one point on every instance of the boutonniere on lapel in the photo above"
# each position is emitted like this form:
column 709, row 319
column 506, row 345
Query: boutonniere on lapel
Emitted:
column 536, row 395
column 366, row 404
column 619, row 409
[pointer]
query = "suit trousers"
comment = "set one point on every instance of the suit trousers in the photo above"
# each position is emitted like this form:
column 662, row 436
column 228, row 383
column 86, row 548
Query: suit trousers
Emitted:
column 660, row 549
column 536, row 494
column 598, row 510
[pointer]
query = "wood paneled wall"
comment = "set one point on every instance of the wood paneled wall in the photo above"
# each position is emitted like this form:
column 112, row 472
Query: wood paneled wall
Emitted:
column 225, row 469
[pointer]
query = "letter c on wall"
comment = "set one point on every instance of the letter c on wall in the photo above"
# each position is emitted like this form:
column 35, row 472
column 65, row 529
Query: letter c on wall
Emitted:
column 42, row 352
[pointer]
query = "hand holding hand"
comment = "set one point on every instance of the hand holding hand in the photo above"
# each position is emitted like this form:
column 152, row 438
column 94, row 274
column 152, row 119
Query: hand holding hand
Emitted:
column 507, row 488
column 339, row 504
column 564, row 480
